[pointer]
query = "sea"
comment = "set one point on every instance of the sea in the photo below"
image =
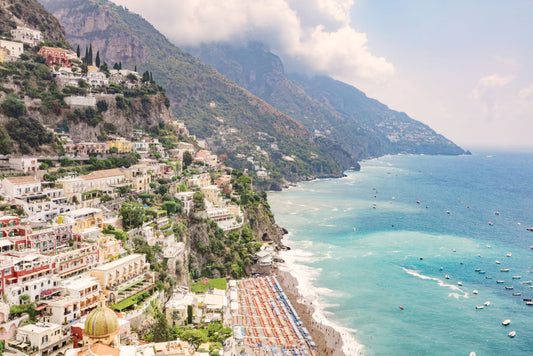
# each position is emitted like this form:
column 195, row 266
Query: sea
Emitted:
column 404, row 256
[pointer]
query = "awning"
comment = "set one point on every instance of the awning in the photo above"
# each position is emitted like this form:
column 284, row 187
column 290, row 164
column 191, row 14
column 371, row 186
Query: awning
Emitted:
column 41, row 307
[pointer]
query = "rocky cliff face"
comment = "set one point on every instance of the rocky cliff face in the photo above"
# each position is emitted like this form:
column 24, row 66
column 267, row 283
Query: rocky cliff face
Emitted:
column 98, row 26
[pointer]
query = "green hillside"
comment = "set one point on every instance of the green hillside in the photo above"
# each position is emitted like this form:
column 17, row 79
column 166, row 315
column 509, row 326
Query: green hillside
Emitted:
column 250, row 132
column 362, row 126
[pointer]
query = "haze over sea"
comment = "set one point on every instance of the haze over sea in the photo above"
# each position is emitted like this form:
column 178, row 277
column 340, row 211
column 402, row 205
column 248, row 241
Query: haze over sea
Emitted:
column 362, row 246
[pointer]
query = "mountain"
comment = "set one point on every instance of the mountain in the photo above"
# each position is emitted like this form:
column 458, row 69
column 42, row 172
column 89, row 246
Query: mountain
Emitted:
column 251, row 133
column 29, row 13
column 363, row 126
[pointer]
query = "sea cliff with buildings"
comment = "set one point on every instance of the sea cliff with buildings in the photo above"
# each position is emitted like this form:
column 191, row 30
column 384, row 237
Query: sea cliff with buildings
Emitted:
column 132, row 240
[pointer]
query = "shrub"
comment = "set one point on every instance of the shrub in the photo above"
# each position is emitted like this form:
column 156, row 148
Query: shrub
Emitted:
column 13, row 107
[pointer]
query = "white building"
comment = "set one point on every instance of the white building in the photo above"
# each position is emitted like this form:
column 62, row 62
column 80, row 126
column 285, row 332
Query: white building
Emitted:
column 15, row 48
column 26, row 165
column 95, row 78
column 45, row 337
column 186, row 199
column 26, row 35
column 17, row 187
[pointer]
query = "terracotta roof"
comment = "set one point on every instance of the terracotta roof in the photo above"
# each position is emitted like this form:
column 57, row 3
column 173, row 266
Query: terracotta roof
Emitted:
column 22, row 180
column 106, row 173
column 99, row 349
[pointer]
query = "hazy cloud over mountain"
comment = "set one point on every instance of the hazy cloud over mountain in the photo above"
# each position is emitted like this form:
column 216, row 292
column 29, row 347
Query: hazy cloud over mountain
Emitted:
column 314, row 33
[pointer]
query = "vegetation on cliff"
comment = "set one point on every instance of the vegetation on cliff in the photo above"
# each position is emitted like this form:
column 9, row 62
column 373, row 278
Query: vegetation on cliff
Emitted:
column 234, row 122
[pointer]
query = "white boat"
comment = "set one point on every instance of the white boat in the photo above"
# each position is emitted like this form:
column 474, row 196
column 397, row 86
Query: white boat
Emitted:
column 506, row 322
column 459, row 283
column 472, row 353
column 479, row 307
column 475, row 291
column 498, row 262
column 499, row 281
column 517, row 294
column 488, row 277
column 512, row 334
column 447, row 277
column 509, row 288
column 488, row 246
column 477, row 269
column 509, row 254
column 526, row 282
column 516, row 277
column 487, row 303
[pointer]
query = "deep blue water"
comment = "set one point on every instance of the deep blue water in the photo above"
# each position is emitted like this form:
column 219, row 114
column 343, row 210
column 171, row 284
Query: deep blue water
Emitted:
column 362, row 246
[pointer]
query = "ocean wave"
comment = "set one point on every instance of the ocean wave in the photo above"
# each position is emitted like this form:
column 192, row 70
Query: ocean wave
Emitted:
column 311, row 295
column 440, row 282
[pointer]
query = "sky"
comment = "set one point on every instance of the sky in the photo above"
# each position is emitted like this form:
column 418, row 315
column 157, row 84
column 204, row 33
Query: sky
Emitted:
column 463, row 67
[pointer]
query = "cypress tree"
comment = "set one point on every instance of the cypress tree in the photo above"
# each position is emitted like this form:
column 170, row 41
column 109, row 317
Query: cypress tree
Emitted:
column 90, row 59
column 120, row 65
column 86, row 55
column 78, row 51
column 97, row 60
column 151, row 78
column 136, row 67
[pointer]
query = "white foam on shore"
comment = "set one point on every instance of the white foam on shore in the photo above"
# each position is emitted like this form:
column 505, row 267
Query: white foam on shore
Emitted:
column 440, row 282
column 310, row 295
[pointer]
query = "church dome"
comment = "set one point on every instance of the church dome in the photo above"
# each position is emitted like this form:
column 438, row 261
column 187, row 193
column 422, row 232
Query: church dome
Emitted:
column 101, row 322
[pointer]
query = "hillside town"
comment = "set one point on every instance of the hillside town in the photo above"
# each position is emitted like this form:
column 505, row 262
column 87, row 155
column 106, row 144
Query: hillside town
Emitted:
column 95, row 245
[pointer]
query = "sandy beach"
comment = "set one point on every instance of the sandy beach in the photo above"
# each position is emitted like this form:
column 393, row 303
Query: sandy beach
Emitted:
column 328, row 340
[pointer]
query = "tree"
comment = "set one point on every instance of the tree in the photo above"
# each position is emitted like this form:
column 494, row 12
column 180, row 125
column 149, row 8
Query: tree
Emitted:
column 170, row 207
column 160, row 329
column 132, row 215
column 78, row 51
column 97, row 60
column 90, row 57
column 13, row 107
column 187, row 159
column 194, row 337
column 189, row 314
column 198, row 201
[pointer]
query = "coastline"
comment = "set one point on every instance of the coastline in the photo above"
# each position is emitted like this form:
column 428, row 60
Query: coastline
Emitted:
column 329, row 340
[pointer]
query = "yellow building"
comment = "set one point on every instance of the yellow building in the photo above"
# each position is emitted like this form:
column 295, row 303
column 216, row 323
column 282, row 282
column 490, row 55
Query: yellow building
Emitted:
column 121, row 144
column 4, row 55
column 140, row 176
column 108, row 248
column 83, row 219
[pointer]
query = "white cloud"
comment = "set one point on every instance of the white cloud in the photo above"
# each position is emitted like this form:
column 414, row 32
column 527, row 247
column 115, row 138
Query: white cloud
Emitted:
column 313, row 33
column 489, row 82
column 526, row 93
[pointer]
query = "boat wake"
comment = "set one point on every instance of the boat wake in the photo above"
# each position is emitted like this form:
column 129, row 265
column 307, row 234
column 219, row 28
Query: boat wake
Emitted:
column 440, row 282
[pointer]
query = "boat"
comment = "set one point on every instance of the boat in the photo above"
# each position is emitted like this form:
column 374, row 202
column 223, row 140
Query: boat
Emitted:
column 499, row 281
column 512, row 334
column 460, row 283
column 526, row 282
column 509, row 287
column 482, row 272
column 421, row 258
column 490, row 223
column 529, row 303
column 505, row 270
column 496, row 213
column 498, row 262
column 488, row 246
column 488, row 277
column 475, row 291
column 447, row 277
column 487, row 303
column 509, row 254
column 517, row 294
column 447, row 211
column 418, row 201
column 472, row 353
column 516, row 277
column 454, row 250
column 529, row 228
column 477, row 269
column 527, row 299
column 479, row 307
column 506, row 322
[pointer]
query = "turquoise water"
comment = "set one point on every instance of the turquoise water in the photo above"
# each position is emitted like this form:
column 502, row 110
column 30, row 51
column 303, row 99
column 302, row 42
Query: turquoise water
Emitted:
column 362, row 246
